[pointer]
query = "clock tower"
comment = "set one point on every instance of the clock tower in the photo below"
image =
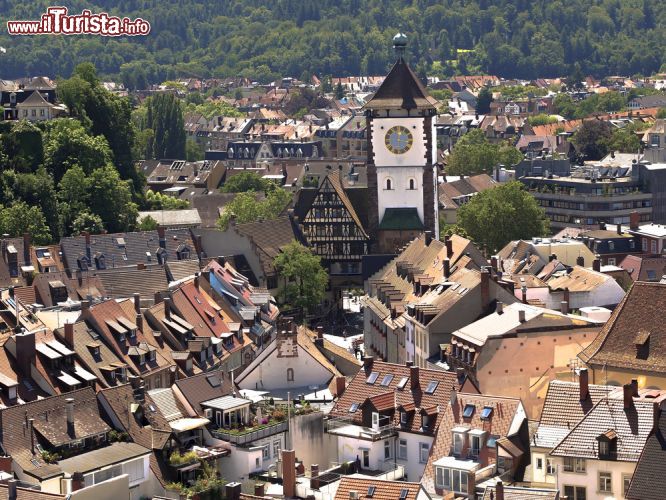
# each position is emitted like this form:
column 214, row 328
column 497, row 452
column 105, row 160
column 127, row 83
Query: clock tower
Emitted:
column 402, row 176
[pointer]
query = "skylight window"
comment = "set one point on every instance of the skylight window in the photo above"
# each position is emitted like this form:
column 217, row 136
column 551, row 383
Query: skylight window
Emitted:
column 403, row 493
column 372, row 378
column 486, row 413
column 371, row 491
column 403, row 382
column 353, row 408
column 431, row 387
column 468, row 411
column 387, row 379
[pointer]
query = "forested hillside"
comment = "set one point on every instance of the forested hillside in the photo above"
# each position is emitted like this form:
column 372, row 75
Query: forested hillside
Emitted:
column 264, row 39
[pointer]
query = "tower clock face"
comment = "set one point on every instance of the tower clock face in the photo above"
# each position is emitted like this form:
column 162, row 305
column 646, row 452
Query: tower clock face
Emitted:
column 398, row 140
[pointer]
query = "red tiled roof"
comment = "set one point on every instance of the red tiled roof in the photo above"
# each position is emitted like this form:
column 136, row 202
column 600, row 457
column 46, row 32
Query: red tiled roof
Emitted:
column 383, row 490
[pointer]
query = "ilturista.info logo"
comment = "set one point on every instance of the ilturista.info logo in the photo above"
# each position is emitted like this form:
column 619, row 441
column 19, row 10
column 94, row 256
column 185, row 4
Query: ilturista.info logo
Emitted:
column 58, row 21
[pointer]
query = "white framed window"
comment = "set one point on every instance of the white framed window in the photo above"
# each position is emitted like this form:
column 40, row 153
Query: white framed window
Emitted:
column 266, row 452
column 451, row 479
column 550, row 467
column 402, row 449
column 476, row 445
column 644, row 244
column 611, row 261
column 458, row 441
column 605, row 482
column 575, row 492
column 424, row 451
column 653, row 246
column 572, row 464
column 276, row 448
column 539, row 463
column 626, row 481
column 604, row 448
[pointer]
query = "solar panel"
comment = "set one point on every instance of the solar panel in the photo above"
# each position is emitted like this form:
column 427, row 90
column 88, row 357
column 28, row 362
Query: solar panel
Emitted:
column 372, row 378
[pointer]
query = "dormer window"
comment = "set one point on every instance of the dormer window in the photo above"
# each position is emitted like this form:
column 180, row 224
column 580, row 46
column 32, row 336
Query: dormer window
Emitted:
column 642, row 342
column 153, row 355
column 607, row 445
column 403, row 417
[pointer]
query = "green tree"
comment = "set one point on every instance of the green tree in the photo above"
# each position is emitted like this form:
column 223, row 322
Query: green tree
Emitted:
column 160, row 201
column 497, row 216
column 473, row 155
column 592, row 139
column 624, row 140
column 147, row 224
column 246, row 207
column 245, row 181
column 661, row 113
column 304, row 278
column 193, row 151
column 21, row 218
column 339, row 91
column 85, row 221
column 164, row 117
column 24, row 146
column 483, row 101
column 111, row 200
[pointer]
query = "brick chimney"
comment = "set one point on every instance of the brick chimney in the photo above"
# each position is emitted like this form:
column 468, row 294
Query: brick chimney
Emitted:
column 564, row 307
column 428, row 237
column 137, row 303
column 340, row 385
column 25, row 349
column 6, row 464
column 314, row 476
column 523, row 294
column 259, row 489
column 485, row 289
column 627, row 390
column 11, row 489
column 584, row 384
column 499, row 491
column 499, row 309
column 414, row 378
column 521, row 315
column 656, row 415
column 319, row 341
column 69, row 406
column 596, row 264
column 449, row 247
column 69, row 334
column 167, row 308
column 86, row 235
column 447, row 268
column 494, row 262
column 634, row 387
column 289, row 473
column 78, row 482
column 580, row 261
column 232, row 491
column 367, row 363
column 161, row 233
column 139, row 322
column 634, row 220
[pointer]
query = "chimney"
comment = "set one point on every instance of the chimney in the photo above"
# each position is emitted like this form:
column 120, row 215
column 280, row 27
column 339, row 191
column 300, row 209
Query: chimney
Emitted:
column 634, row 387
column 367, row 363
column 447, row 268
column 500, row 307
column 523, row 294
column 31, row 425
column 628, row 396
column 6, row 464
column 656, row 415
column 26, row 248
column 340, row 385
column 596, row 264
column 25, row 349
column 499, row 491
column 619, row 229
column 86, row 234
column 428, row 238
column 521, row 315
column 85, row 305
column 584, row 384
column 580, row 261
column 449, row 248
column 11, row 489
column 78, row 483
column 314, row 476
column 485, row 289
column 137, row 303
column 319, row 341
column 157, row 298
column 69, row 334
column 414, row 378
column 139, row 322
column 197, row 281
column 602, row 226
column 161, row 233
column 140, row 266
column 564, row 307
column 259, row 489
column 233, row 491
column 634, row 220
column 69, row 406
column 493, row 263
column 288, row 473
column 565, row 295
column 167, row 308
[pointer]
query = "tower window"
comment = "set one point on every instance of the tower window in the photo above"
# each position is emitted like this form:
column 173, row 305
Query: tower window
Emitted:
column 389, row 184
column 412, row 185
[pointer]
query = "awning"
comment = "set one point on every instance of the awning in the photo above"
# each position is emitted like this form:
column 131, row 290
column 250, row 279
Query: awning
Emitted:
column 188, row 424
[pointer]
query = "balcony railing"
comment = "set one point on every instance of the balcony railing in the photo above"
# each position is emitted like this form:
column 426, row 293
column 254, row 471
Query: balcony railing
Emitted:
column 347, row 427
column 250, row 434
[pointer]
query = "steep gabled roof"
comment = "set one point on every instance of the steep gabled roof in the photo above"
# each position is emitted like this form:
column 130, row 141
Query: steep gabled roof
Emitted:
column 401, row 89
column 649, row 480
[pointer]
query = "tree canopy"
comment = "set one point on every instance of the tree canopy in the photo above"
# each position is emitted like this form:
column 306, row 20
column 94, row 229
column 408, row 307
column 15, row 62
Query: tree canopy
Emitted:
column 496, row 216
column 248, row 207
column 304, row 278
column 473, row 154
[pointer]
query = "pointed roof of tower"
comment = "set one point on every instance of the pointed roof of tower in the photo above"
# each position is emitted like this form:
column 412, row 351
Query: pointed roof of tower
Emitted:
column 401, row 89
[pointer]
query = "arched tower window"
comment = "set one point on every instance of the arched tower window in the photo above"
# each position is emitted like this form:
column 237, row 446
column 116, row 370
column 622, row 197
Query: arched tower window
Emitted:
column 290, row 374
column 389, row 184
column 412, row 185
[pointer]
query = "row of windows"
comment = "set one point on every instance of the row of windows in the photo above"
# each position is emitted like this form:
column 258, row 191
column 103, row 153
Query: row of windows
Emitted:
column 389, row 184
column 605, row 486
